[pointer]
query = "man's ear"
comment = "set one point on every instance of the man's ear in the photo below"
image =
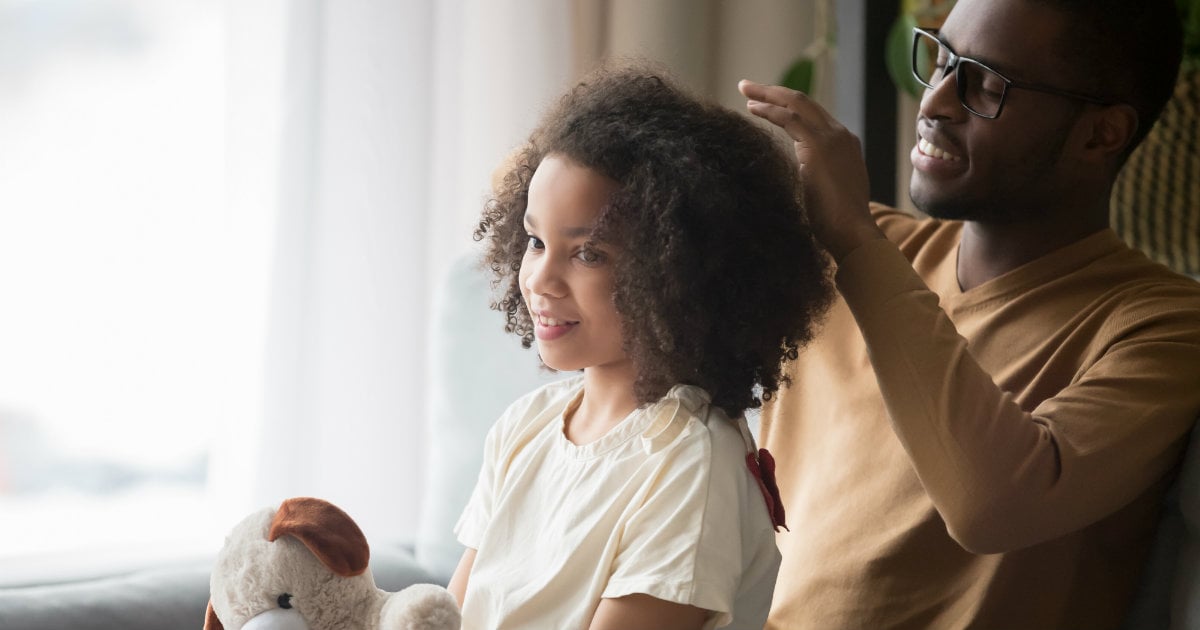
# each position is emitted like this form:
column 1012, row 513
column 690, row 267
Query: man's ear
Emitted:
column 1112, row 129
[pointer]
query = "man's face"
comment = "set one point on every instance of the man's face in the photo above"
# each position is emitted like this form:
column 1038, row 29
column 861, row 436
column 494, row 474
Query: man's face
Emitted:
column 1008, row 169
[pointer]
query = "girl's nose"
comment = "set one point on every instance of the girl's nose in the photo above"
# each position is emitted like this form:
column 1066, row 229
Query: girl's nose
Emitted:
column 543, row 277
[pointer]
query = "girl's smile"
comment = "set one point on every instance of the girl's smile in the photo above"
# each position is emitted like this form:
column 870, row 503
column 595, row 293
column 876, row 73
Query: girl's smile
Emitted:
column 566, row 277
column 546, row 327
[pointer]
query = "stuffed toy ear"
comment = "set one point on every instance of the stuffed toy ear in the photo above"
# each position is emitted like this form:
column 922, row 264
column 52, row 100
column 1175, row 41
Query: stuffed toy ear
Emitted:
column 210, row 619
column 326, row 530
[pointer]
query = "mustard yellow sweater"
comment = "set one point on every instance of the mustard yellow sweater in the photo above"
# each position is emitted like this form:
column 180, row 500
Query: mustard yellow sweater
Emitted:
column 992, row 458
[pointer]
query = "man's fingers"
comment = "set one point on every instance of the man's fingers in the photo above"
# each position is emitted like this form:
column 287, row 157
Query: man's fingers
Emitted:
column 782, row 97
column 774, row 113
column 782, row 117
column 775, row 94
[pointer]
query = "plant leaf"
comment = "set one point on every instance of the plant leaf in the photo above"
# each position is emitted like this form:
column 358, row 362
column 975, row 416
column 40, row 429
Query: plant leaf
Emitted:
column 799, row 76
column 899, row 55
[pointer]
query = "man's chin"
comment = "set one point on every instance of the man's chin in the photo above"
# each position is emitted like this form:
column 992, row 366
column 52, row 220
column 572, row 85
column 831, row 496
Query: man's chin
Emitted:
column 976, row 213
column 947, row 213
column 935, row 203
column 940, row 209
column 957, row 208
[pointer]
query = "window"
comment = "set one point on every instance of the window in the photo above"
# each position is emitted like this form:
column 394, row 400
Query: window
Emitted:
column 120, row 338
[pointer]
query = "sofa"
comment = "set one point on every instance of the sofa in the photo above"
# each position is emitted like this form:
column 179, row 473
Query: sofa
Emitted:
column 163, row 597
column 174, row 594
column 467, row 342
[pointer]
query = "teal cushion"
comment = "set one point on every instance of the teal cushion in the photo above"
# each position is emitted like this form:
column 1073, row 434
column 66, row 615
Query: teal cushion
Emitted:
column 476, row 371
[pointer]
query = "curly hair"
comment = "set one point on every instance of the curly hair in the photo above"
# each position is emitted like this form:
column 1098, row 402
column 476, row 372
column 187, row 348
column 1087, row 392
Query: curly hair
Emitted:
column 718, row 279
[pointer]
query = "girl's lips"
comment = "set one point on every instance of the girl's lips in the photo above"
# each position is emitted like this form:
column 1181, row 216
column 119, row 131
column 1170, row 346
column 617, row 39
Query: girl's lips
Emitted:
column 547, row 327
column 550, row 333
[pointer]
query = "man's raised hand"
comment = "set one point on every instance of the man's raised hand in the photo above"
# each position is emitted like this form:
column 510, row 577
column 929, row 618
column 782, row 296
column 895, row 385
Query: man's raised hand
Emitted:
column 834, row 176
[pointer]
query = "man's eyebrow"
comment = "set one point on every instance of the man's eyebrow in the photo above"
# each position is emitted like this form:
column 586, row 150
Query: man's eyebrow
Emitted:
column 992, row 65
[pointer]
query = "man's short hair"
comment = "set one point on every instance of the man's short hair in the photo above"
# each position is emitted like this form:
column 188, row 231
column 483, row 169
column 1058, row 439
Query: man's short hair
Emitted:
column 1128, row 50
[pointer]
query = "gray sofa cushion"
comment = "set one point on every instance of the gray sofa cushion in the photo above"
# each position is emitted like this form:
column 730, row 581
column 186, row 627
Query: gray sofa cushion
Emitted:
column 160, row 598
column 1169, row 593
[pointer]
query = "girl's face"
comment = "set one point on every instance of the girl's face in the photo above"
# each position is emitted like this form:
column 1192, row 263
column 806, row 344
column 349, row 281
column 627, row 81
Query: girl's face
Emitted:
column 567, row 284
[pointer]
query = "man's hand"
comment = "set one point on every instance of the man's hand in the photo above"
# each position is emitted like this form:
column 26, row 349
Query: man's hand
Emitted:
column 834, row 176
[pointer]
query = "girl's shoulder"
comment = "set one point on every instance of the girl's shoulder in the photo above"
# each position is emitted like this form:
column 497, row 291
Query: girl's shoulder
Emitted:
column 551, row 394
column 684, row 419
column 535, row 409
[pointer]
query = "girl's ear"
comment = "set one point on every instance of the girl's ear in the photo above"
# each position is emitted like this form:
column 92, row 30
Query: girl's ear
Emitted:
column 1112, row 129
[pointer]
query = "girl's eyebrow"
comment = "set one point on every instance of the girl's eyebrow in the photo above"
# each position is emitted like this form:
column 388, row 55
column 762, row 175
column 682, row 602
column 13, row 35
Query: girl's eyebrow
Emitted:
column 576, row 232
column 571, row 232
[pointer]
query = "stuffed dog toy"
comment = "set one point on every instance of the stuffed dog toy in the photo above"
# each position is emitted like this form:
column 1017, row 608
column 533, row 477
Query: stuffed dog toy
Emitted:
column 304, row 566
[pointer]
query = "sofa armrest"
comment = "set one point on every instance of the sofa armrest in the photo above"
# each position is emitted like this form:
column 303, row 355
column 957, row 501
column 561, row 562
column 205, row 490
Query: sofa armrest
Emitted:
column 168, row 597
column 173, row 596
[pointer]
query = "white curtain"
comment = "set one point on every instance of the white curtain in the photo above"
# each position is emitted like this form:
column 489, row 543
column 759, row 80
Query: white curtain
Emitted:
column 711, row 44
column 363, row 134
column 362, row 138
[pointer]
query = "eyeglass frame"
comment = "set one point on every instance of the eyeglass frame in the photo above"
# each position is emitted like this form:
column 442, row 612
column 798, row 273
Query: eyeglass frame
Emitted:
column 954, row 64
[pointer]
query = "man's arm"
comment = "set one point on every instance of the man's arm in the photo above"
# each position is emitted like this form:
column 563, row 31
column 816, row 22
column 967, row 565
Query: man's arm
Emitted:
column 1003, row 478
column 836, row 188
column 1000, row 477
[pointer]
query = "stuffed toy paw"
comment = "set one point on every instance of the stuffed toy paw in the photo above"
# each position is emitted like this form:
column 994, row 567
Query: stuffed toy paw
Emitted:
column 304, row 567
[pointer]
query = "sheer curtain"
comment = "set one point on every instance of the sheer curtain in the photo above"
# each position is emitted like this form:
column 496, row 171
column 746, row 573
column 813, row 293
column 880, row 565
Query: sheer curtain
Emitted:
column 270, row 317
column 711, row 44
column 363, row 134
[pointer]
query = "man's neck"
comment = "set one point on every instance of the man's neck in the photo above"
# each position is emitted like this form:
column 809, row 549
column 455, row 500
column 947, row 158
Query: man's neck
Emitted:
column 988, row 251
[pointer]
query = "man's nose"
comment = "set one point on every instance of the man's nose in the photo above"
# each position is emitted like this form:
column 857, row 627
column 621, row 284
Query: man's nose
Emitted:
column 941, row 101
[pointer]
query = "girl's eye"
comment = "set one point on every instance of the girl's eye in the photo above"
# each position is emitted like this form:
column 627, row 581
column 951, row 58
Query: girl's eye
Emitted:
column 590, row 257
column 536, row 243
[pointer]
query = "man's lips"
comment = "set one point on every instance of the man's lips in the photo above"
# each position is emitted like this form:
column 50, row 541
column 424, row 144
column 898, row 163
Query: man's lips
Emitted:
column 933, row 150
column 931, row 156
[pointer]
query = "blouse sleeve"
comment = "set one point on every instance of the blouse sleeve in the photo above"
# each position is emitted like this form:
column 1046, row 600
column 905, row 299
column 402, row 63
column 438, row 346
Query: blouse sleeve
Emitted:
column 683, row 543
column 478, row 513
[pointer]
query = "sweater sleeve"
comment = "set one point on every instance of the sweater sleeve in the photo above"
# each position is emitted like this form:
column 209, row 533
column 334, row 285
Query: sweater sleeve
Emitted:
column 1003, row 478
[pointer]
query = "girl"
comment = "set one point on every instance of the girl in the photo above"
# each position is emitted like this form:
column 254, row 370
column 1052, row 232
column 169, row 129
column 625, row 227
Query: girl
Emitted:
column 655, row 244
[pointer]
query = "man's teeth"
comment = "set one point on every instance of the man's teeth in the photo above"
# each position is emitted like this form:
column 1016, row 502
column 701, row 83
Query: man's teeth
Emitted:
column 550, row 321
column 928, row 148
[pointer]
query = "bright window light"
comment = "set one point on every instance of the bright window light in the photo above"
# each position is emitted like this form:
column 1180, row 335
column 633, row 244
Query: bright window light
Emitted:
column 116, row 329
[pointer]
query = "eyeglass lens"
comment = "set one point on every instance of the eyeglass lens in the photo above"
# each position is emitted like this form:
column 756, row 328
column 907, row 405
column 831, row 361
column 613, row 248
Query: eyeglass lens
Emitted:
column 979, row 89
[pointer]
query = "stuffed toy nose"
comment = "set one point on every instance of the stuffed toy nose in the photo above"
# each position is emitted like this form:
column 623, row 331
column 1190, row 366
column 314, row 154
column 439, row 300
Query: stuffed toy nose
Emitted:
column 277, row 619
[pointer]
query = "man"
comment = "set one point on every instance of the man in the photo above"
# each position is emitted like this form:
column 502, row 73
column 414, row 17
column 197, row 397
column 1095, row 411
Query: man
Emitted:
column 982, row 435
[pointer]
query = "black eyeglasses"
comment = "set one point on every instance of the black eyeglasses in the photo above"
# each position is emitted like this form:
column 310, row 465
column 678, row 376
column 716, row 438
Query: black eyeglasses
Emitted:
column 981, row 90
